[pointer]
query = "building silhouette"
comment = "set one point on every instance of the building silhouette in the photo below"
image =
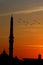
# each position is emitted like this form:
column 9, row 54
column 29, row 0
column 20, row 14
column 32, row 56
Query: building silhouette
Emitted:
column 11, row 38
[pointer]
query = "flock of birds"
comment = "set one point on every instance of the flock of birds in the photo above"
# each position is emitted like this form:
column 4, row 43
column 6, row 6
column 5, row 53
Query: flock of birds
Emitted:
column 27, row 22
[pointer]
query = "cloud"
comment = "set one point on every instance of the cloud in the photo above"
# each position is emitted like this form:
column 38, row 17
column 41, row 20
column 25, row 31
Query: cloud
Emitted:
column 39, row 46
column 22, row 12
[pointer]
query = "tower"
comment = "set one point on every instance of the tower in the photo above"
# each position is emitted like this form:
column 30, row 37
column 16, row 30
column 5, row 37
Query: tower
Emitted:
column 11, row 38
column 39, row 56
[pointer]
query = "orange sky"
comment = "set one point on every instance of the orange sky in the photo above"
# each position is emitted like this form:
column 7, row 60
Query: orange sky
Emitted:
column 28, row 34
column 28, row 27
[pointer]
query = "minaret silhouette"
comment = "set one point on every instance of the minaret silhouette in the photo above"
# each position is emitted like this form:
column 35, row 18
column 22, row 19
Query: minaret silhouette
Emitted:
column 11, row 38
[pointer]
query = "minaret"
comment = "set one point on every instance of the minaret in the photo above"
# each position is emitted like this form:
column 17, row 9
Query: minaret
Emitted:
column 11, row 38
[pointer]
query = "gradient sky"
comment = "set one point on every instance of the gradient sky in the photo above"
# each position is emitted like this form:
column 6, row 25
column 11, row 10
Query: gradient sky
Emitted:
column 28, row 27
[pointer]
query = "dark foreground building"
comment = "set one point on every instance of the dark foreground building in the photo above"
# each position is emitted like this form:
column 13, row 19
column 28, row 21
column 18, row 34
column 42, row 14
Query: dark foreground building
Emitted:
column 6, row 59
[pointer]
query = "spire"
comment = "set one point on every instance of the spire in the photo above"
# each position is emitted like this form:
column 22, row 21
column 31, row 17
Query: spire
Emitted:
column 11, row 27
column 11, row 38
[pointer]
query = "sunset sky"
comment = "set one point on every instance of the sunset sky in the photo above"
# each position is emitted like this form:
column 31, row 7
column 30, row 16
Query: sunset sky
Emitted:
column 28, row 27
